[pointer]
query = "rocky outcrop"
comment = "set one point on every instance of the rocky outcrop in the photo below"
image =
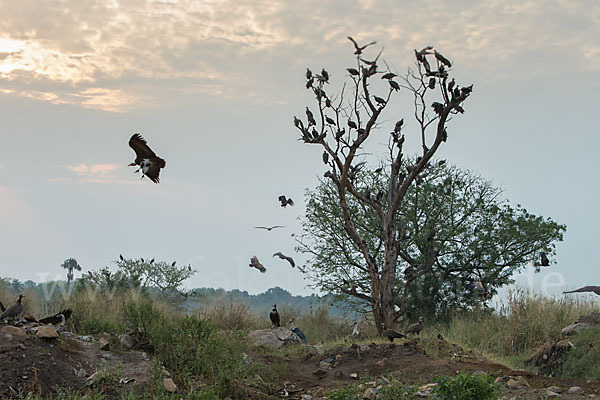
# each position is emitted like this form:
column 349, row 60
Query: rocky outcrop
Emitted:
column 273, row 338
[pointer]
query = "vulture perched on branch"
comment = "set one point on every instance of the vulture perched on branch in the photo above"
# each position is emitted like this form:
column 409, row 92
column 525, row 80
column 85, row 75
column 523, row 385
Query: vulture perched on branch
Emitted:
column 149, row 163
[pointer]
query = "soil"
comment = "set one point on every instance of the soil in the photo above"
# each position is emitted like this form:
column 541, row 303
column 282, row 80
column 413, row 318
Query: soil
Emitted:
column 42, row 366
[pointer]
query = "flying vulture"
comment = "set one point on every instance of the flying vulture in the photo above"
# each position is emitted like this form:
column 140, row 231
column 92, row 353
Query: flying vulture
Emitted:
column 57, row 318
column 254, row 263
column 593, row 289
column 269, row 228
column 284, row 257
column 149, row 163
column 544, row 259
column 285, row 201
column 14, row 310
column 359, row 49
column 297, row 331
column 415, row 328
column 391, row 334
column 274, row 316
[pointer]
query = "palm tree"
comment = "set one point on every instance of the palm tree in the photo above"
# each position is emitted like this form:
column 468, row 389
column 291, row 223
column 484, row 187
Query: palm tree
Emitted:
column 70, row 264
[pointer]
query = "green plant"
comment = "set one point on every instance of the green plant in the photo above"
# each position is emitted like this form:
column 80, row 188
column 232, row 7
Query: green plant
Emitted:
column 466, row 386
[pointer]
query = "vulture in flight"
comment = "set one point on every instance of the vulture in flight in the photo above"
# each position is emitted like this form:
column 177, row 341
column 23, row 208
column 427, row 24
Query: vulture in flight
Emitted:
column 269, row 228
column 585, row 289
column 274, row 316
column 415, row 328
column 14, row 310
column 359, row 49
column 285, row 201
column 149, row 163
column 254, row 263
column 391, row 334
column 284, row 257
column 57, row 318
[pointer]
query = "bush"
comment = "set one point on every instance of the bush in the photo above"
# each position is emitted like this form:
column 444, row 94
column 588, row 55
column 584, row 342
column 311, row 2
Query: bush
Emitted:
column 582, row 361
column 466, row 386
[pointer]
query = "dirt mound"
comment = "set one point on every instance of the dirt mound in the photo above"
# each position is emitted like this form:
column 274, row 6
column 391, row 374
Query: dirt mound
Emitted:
column 548, row 359
column 31, row 364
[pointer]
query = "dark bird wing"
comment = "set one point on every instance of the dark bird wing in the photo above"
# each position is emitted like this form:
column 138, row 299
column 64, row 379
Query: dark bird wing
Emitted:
column 12, row 311
column 140, row 146
column 156, row 164
column 300, row 334
column 585, row 289
column 284, row 257
column 55, row 319
column 2, row 308
column 256, row 264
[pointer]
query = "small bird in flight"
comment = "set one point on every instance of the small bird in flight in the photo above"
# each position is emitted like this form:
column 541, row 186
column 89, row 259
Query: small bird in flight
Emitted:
column 254, row 263
column 359, row 49
column 284, row 257
column 269, row 228
column 149, row 163
column 285, row 201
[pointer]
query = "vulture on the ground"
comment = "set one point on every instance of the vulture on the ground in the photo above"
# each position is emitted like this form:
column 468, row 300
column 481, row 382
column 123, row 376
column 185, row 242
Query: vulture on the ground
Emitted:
column 391, row 334
column 284, row 257
column 274, row 316
column 149, row 163
column 415, row 328
column 254, row 263
column 14, row 310
column 57, row 318
column 585, row 289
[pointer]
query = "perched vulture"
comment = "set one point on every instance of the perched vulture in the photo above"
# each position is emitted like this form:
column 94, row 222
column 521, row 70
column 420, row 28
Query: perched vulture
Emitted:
column 391, row 334
column 274, row 316
column 14, row 310
column 57, row 318
column 285, row 201
column 269, row 228
column 585, row 289
column 254, row 263
column 297, row 331
column 415, row 328
column 284, row 257
column 149, row 163
column 544, row 259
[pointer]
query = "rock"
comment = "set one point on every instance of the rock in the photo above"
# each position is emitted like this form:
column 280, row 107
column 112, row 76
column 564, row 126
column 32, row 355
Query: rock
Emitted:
column 47, row 332
column 13, row 331
column 380, row 363
column 106, row 356
column 555, row 389
column 517, row 382
column 320, row 392
column 307, row 397
column 364, row 348
column 338, row 358
column 575, row 390
column 103, row 343
column 128, row 341
column 370, row 393
column 574, row 328
column 93, row 378
column 354, row 375
column 169, row 385
column 272, row 338
column 320, row 373
column 325, row 365
column 551, row 394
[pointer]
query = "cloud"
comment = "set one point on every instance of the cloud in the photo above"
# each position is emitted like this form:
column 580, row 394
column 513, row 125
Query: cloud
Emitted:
column 94, row 173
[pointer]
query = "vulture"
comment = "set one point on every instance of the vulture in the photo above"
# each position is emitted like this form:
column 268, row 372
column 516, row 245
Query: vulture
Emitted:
column 254, row 263
column 270, row 228
column 415, row 328
column 121, row 257
column 284, row 257
column 57, row 318
column 391, row 334
column 297, row 331
column 285, row 201
column 359, row 49
column 14, row 310
column 593, row 289
column 544, row 259
column 149, row 163
column 274, row 316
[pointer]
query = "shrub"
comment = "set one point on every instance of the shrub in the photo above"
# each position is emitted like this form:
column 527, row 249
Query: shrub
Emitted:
column 466, row 386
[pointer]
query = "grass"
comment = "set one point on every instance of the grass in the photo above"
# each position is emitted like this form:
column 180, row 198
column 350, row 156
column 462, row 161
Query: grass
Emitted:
column 582, row 361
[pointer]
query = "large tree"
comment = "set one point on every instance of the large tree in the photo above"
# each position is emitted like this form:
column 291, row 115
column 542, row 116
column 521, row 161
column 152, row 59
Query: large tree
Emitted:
column 480, row 240
column 342, row 124
column 70, row 264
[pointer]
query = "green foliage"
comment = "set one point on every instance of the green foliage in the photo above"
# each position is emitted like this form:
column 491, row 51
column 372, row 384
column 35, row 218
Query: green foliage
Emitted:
column 393, row 391
column 70, row 264
column 466, row 386
column 479, row 237
column 582, row 361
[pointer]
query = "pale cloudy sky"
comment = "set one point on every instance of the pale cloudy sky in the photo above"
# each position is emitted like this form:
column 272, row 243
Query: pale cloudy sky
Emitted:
column 213, row 86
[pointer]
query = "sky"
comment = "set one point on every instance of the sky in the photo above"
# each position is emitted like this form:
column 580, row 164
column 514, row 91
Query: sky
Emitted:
column 214, row 85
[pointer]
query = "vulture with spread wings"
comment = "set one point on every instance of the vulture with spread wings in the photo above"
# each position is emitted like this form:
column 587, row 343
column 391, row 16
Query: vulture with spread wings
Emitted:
column 149, row 163
column 284, row 257
column 254, row 263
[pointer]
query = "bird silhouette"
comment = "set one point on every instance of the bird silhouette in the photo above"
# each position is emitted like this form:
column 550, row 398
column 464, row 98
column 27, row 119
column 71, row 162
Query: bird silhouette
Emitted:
column 274, row 316
column 391, row 334
column 585, row 289
column 254, row 263
column 415, row 328
column 359, row 49
column 149, row 163
column 285, row 201
column 544, row 259
column 297, row 331
column 284, row 257
column 14, row 310
column 269, row 228
column 56, row 318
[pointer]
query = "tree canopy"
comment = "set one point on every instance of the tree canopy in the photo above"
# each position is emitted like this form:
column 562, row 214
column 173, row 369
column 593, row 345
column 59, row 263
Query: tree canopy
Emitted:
column 476, row 238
